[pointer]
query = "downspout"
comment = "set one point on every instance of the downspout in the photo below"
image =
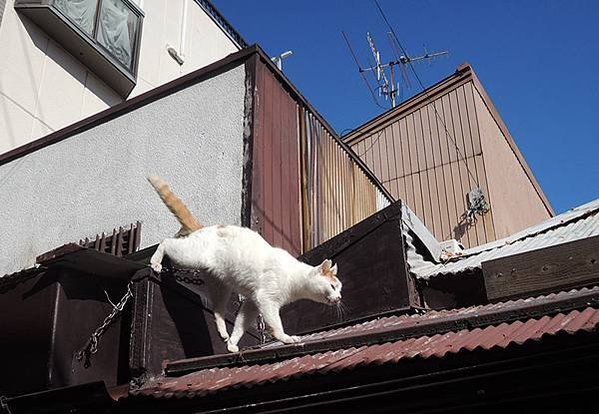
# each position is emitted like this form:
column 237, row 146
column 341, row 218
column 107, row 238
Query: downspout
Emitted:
column 179, row 55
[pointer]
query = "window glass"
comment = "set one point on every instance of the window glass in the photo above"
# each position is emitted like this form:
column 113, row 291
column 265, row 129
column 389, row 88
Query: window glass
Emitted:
column 81, row 12
column 117, row 29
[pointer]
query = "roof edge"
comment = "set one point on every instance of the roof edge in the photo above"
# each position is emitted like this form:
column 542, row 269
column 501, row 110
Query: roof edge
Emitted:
column 222, row 22
column 511, row 311
column 129, row 105
column 461, row 75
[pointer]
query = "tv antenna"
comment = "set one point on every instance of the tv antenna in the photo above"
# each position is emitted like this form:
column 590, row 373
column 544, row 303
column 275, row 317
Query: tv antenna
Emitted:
column 385, row 88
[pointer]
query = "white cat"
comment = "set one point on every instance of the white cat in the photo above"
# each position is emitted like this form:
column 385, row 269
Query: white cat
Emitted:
column 245, row 263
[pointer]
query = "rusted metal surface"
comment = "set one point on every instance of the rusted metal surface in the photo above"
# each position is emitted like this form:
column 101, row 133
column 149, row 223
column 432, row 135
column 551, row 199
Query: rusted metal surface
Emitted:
column 339, row 194
column 120, row 243
column 276, row 180
column 210, row 381
column 474, row 316
column 399, row 327
column 307, row 185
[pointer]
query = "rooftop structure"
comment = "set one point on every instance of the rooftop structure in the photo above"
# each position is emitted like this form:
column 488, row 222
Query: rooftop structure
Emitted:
column 436, row 149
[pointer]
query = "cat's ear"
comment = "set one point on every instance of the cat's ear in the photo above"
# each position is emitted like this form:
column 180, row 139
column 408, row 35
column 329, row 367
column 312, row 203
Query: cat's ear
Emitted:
column 325, row 266
column 334, row 269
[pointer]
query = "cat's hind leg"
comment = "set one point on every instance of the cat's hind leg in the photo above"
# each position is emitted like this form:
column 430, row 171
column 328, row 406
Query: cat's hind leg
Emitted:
column 156, row 260
column 247, row 314
column 220, row 294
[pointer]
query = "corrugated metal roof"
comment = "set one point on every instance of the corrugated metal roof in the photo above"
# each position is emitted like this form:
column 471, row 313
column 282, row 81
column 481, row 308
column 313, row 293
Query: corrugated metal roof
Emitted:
column 578, row 223
column 208, row 381
column 474, row 315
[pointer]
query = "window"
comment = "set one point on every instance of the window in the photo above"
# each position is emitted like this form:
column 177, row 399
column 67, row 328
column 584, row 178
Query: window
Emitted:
column 103, row 34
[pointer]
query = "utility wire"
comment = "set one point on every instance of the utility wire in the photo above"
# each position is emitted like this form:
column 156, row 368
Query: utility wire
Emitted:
column 362, row 72
column 429, row 99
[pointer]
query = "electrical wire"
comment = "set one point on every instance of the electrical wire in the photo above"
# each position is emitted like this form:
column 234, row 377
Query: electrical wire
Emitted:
column 429, row 99
column 361, row 71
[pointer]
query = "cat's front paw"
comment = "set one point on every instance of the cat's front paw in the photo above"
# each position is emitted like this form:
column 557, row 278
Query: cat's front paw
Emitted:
column 157, row 267
column 290, row 339
column 232, row 348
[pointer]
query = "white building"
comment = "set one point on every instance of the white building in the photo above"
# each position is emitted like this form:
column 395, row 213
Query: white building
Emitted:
column 65, row 60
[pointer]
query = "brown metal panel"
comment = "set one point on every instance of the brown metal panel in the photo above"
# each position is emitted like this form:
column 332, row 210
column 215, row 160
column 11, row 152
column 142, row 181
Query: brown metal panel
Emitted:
column 487, row 219
column 275, row 190
column 465, row 121
column 515, row 202
column 465, row 180
column 268, row 157
column 258, row 164
column 296, row 200
column 286, row 191
column 435, row 223
column 423, row 166
column 448, row 174
column 457, row 192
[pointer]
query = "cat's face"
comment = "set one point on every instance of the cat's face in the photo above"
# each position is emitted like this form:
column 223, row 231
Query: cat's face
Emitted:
column 328, row 286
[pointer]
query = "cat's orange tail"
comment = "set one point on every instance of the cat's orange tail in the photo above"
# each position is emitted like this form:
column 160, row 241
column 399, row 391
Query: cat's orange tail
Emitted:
column 175, row 205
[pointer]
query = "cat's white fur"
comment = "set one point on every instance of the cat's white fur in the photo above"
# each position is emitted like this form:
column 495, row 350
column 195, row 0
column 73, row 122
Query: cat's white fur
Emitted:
column 245, row 263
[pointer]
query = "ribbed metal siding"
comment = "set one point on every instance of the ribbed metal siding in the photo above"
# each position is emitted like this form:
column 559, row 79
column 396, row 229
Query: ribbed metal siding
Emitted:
column 276, row 179
column 420, row 163
column 293, row 210
column 338, row 192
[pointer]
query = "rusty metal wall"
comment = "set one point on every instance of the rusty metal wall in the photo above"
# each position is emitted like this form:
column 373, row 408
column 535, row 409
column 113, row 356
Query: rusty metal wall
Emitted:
column 306, row 188
column 420, row 163
column 337, row 192
column 276, row 211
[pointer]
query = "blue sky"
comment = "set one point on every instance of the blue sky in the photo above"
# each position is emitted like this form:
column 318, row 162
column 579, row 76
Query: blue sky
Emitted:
column 538, row 60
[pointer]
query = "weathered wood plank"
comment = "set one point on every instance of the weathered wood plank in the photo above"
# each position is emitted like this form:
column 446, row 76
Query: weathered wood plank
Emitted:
column 565, row 266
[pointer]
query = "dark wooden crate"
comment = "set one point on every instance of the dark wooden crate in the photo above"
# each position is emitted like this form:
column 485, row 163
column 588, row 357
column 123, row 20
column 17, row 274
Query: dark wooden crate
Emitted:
column 46, row 320
column 173, row 320
column 372, row 267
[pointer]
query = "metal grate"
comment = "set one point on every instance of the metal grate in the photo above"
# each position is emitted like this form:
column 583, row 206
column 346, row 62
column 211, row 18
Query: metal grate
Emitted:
column 120, row 243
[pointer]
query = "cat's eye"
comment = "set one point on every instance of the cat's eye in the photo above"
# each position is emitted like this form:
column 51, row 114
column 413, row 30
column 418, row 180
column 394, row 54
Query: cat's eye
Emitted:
column 333, row 286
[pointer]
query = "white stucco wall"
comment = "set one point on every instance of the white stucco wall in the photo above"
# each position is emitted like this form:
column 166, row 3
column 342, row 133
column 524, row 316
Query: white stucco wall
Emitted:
column 96, row 180
column 43, row 88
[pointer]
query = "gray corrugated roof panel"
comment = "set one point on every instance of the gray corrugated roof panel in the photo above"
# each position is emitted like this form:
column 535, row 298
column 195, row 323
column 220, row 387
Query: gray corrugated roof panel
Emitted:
column 578, row 223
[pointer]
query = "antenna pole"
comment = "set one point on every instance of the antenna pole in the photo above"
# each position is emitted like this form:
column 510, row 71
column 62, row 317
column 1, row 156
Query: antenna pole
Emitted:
column 393, row 91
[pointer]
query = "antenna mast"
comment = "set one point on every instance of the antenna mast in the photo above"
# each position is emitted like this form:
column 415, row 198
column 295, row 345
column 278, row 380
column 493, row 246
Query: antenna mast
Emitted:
column 389, row 90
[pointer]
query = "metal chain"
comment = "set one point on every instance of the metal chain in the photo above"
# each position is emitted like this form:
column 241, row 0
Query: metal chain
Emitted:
column 92, row 344
column 259, row 321
column 262, row 329
column 4, row 405
column 192, row 280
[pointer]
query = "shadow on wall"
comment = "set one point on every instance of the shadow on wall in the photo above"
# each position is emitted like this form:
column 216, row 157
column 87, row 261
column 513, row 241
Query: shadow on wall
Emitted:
column 81, row 73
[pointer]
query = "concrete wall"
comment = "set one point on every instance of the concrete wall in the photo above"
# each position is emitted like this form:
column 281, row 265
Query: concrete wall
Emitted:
column 95, row 181
column 44, row 88
column 515, row 202
column 204, row 42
